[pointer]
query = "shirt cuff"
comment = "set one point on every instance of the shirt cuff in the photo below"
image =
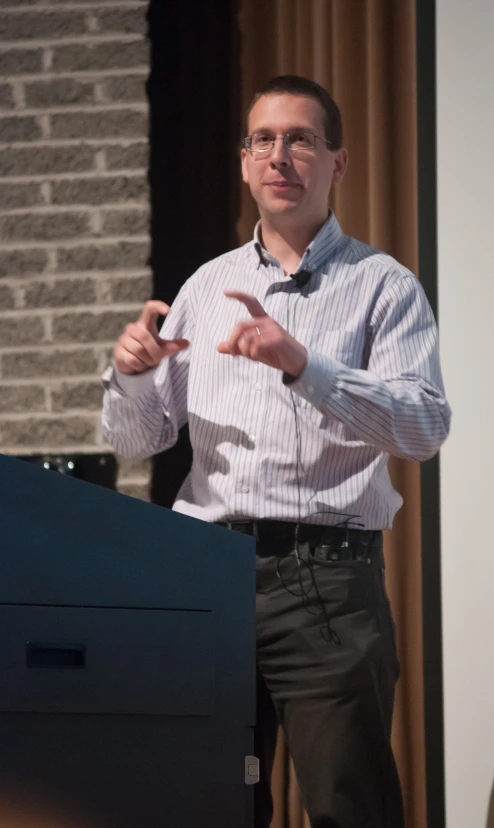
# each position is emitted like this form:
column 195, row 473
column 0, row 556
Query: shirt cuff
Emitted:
column 316, row 380
column 132, row 385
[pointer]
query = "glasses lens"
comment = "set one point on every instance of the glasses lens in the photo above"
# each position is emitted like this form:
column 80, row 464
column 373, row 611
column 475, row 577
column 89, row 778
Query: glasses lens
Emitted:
column 261, row 141
column 300, row 140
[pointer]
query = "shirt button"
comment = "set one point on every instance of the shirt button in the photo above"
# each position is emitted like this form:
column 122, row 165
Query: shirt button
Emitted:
column 310, row 389
column 244, row 489
column 251, row 438
column 258, row 386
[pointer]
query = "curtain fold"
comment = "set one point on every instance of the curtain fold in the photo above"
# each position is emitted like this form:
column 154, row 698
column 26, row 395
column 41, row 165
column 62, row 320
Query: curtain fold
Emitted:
column 363, row 51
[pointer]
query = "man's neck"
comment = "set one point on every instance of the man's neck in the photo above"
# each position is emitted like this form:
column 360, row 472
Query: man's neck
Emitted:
column 288, row 244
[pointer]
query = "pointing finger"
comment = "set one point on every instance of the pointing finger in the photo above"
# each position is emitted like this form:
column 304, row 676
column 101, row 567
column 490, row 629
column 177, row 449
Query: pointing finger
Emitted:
column 253, row 306
column 170, row 347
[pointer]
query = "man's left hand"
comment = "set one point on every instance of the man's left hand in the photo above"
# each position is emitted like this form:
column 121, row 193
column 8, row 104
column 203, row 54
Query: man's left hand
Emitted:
column 263, row 340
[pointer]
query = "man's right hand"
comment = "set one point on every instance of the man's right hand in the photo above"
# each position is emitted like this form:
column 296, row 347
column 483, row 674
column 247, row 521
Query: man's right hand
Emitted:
column 140, row 347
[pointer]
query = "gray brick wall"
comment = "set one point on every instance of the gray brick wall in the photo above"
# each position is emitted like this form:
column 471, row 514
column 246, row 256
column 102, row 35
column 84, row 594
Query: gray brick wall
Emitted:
column 74, row 215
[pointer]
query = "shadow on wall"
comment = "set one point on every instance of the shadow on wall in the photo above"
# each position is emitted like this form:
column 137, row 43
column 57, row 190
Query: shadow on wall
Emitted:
column 490, row 812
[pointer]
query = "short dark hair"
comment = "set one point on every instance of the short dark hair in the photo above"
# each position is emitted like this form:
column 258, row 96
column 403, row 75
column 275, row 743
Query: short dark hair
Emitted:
column 297, row 85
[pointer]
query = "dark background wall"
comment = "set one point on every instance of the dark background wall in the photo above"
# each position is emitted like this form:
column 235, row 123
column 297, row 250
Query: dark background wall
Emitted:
column 194, row 97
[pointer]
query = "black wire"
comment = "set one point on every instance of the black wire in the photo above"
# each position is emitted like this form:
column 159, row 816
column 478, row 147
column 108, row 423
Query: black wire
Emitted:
column 326, row 630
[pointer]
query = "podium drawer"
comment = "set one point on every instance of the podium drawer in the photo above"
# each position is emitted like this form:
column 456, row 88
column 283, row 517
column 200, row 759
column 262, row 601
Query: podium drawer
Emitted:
column 106, row 661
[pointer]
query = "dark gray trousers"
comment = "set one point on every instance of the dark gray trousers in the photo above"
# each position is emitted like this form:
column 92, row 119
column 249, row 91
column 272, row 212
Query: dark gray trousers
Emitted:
column 327, row 669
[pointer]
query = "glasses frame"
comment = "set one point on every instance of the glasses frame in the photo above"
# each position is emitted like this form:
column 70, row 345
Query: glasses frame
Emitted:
column 247, row 142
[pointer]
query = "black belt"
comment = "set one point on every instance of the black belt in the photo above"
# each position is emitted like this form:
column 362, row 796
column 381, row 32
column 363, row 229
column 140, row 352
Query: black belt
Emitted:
column 330, row 543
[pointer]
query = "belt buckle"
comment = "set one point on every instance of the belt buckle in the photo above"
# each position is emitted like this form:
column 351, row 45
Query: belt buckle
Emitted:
column 247, row 527
column 327, row 552
column 341, row 552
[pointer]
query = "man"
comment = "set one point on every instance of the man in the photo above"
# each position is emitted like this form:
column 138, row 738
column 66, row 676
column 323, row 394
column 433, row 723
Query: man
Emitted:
column 301, row 361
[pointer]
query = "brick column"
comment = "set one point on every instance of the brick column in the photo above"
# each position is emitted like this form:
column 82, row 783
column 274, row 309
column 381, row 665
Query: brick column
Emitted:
column 74, row 215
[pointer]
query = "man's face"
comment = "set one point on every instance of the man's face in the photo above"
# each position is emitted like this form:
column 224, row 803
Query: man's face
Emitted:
column 291, row 183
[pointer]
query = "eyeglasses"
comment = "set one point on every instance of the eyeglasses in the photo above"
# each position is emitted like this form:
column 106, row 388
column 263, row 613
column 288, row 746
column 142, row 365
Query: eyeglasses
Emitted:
column 294, row 140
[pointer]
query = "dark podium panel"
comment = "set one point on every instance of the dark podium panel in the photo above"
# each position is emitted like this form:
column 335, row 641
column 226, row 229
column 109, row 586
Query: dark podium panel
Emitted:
column 127, row 660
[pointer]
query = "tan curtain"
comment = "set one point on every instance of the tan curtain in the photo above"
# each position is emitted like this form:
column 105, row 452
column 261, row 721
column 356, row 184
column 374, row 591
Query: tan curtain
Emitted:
column 363, row 51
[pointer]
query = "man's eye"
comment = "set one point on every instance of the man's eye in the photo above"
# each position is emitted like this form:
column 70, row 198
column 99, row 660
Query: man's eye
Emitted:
column 262, row 138
column 300, row 139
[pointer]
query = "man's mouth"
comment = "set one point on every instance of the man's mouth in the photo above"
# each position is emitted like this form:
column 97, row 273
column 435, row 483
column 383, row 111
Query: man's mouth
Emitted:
column 282, row 185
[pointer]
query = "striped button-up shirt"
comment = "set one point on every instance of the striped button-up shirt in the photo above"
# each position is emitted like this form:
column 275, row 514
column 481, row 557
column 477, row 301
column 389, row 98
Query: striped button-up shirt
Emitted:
column 315, row 449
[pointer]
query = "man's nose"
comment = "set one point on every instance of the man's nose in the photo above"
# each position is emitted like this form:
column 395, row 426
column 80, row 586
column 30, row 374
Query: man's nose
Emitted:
column 280, row 154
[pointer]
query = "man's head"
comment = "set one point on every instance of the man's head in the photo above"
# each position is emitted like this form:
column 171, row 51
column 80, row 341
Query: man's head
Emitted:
column 291, row 178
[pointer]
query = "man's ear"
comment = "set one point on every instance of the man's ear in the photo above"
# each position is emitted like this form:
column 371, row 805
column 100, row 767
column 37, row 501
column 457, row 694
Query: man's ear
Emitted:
column 340, row 164
column 243, row 161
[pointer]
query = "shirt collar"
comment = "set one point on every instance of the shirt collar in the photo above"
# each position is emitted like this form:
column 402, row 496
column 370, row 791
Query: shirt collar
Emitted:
column 321, row 247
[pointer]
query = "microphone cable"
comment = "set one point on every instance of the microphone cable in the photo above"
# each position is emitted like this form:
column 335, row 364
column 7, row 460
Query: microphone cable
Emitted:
column 297, row 577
